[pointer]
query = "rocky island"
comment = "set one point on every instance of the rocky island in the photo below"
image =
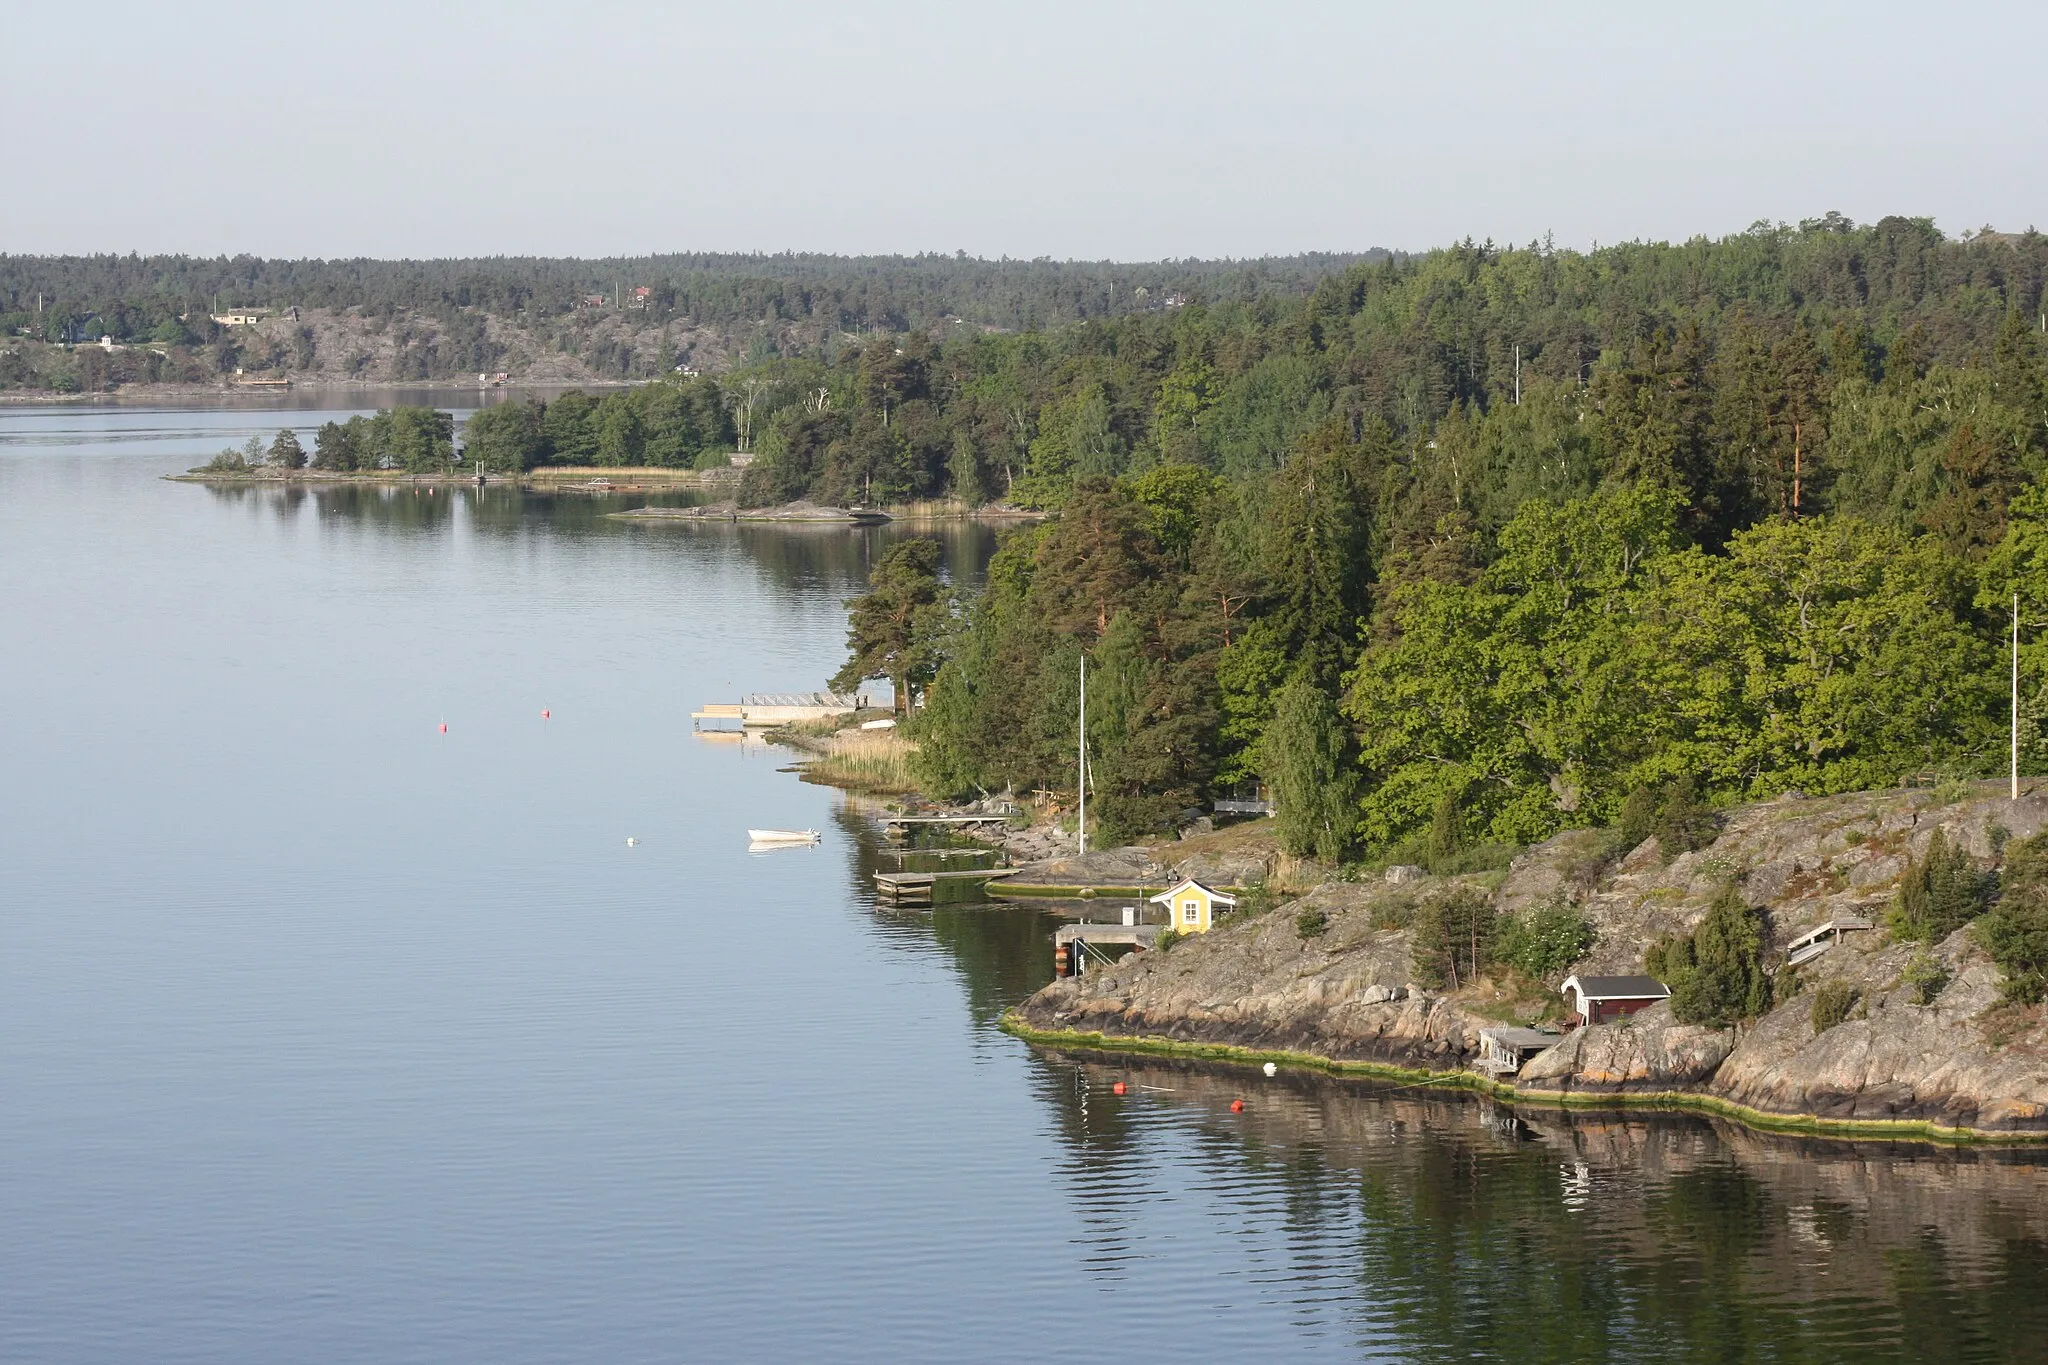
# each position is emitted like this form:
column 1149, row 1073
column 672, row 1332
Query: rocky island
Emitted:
column 1328, row 979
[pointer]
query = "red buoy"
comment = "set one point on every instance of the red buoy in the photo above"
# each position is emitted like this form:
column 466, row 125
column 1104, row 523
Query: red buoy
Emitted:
column 1117, row 1089
column 444, row 727
column 1237, row 1106
column 544, row 713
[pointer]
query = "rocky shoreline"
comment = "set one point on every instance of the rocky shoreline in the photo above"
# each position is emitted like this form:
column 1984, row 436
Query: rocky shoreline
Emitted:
column 1964, row 1066
column 551, row 479
column 801, row 513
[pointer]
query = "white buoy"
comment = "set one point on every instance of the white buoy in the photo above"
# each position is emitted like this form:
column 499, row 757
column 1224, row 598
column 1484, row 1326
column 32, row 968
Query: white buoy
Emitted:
column 630, row 841
column 1272, row 1070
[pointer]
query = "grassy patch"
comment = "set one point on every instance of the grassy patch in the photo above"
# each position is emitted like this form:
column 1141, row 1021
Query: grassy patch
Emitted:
column 1509, row 997
column 875, row 761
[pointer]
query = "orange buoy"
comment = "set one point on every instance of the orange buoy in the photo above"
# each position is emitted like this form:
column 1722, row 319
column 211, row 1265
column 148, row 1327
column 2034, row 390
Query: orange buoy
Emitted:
column 1237, row 1106
column 1117, row 1089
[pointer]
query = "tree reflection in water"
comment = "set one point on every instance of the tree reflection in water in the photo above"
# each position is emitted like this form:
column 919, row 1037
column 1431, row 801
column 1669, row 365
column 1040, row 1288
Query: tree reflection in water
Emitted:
column 1438, row 1226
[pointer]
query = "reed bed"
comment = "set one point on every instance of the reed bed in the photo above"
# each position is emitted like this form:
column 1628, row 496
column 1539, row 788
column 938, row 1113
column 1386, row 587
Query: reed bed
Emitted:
column 875, row 761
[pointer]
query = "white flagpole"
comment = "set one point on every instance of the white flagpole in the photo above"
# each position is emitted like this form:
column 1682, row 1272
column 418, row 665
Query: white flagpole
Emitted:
column 1082, row 767
column 2015, row 695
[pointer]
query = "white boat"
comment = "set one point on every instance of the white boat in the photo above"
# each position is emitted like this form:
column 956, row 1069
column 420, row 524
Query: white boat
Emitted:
column 782, row 836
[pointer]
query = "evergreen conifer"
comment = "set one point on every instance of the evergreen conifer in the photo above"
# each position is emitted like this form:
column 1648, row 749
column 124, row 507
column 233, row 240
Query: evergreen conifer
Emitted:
column 1725, row 980
column 1939, row 894
column 1304, row 762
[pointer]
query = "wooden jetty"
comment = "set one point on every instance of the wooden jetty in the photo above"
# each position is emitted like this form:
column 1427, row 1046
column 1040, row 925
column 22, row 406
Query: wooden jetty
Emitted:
column 1070, row 942
column 765, row 710
column 921, row 890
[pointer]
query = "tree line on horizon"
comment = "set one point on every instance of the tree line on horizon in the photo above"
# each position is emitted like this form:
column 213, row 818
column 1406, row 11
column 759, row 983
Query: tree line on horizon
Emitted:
column 765, row 306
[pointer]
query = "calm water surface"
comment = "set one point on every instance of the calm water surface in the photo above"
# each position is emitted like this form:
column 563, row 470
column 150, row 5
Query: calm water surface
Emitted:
column 325, row 1036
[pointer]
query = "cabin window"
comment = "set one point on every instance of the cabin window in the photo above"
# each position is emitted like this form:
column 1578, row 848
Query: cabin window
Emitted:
column 1190, row 912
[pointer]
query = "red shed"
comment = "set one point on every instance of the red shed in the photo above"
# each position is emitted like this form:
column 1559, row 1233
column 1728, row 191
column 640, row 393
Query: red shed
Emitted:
column 1601, row 999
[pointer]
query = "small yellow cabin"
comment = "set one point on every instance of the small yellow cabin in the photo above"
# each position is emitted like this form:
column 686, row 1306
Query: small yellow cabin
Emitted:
column 1191, row 907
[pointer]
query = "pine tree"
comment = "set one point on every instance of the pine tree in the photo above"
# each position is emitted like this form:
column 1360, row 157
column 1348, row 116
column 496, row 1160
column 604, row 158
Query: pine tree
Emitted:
column 286, row 452
column 1446, row 832
column 1655, row 415
column 1304, row 760
column 1452, row 939
column 1939, row 894
column 1684, row 823
column 2017, row 372
column 1317, row 556
column 1126, row 783
column 1725, row 980
column 2015, row 931
column 1638, row 819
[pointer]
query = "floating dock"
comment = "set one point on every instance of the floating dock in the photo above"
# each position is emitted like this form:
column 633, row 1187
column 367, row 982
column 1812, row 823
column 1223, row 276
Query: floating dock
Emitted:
column 922, row 890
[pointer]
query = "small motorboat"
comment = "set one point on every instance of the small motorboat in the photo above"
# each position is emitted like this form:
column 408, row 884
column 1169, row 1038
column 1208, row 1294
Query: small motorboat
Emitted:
column 782, row 836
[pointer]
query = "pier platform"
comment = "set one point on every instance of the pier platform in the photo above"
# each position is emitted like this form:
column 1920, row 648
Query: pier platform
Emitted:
column 1070, row 942
column 768, row 709
column 921, row 890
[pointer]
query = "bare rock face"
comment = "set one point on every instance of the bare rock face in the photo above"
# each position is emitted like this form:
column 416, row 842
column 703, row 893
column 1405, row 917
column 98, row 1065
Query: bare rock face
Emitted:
column 1648, row 1051
column 1961, row 1059
column 1805, row 861
column 1221, row 869
column 1103, row 867
column 1947, row 1062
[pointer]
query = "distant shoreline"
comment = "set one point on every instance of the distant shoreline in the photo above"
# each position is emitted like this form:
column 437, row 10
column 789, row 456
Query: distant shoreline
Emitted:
column 146, row 393
column 552, row 478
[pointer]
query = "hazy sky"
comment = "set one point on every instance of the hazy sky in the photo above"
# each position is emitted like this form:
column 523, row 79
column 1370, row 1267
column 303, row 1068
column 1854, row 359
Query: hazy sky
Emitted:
column 1068, row 130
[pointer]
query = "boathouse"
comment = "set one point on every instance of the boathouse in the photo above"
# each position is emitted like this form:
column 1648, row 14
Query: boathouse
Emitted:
column 1191, row 906
column 1602, row 999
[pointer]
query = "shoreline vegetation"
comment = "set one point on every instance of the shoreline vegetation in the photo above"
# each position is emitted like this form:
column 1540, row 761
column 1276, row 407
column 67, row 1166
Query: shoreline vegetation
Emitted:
column 612, row 479
column 567, row 477
column 866, row 762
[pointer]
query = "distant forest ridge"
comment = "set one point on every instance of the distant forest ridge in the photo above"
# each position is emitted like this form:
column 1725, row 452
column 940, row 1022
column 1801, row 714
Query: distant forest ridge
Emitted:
column 860, row 293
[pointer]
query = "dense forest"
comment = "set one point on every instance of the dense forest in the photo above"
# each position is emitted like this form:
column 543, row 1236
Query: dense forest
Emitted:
column 1464, row 549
